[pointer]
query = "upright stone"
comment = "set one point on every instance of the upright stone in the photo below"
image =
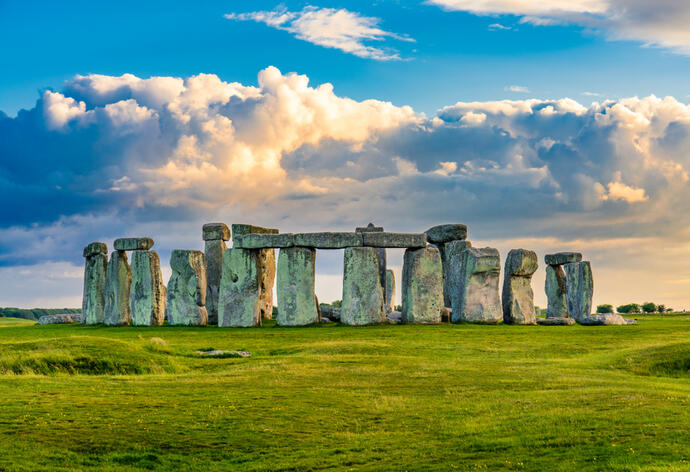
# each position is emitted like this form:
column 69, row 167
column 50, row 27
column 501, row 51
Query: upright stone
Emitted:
column 457, row 247
column 380, row 254
column 118, row 280
column 267, row 277
column 390, row 290
column 579, row 289
column 214, row 235
column 297, row 305
column 422, row 286
column 240, row 291
column 555, row 288
column 363, row 301
column 93, row 301
column 518, row 298
column 474, row 274
column 186, row 293
column 147, row 295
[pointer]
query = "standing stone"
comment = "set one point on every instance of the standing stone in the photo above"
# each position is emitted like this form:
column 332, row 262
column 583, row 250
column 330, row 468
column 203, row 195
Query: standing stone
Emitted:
column 422, row 286
column 363, row 301
column 117, row 283
column 579, row 289
column 297, row 304
column 518, row 297
column 267, row 277
column 380, row 254
column 186, row 294
column 93, row 301
column 457, row 247
column 240, row 292
column 390, row 290
column 147, row 296
column 214, row 236
column 474, row 274
column 555, row 292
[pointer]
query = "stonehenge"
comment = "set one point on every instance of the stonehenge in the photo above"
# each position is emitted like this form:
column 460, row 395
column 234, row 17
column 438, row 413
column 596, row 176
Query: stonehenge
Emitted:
column 518, row 298
column 297, row 304
column 147, row 293
column 440, row 235
column 186, row 297
column 390, row 290
column 93, row 300
column 380, row 254
column 118, row 279
column 579, row 289
column 240, row 290
column 474, row 274
column 214, row 236
column 422, row 286
column 363, row 300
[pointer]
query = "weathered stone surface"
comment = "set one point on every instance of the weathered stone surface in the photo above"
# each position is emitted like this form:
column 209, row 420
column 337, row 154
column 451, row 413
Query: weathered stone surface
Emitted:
column 263, row 241
column 118, row 279
column 371, row 227
column 215, row 231
column 267, row 277
column 390, row 290
column 445, row 233
column 422, row 286
column 297, row 304
column 562, row 258
column 605, row 319
column 401, row 240
column 579, row 289
column 380, row 255
column 474, row 274
column 518, row 298
column 445, row 314
column 555, row 292
column 555, row 321
column 132, row 244
column 214, row 250
column 93, row 300
column 458, row 245
column 146, row 296
column 363, row 301
column 95, row 248
column 60, row 318
column 328, row 240
column 330, row 311
column 239, row 230
column 394, row 317
column 186, row 293
column 240, row 289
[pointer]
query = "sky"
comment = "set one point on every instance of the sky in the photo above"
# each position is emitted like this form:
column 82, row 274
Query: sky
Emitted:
column 553, row 125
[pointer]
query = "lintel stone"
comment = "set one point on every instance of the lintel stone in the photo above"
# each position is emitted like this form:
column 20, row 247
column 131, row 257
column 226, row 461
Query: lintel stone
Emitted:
column 446, row 233
column 561, row 258
column 133, row 244
column 328, row 240
column 263, row 241
column 95, row 248
column 401, row 240
column 213, row 231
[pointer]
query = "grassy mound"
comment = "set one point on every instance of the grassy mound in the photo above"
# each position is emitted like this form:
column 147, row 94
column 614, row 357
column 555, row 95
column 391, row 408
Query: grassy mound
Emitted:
column 665, row 361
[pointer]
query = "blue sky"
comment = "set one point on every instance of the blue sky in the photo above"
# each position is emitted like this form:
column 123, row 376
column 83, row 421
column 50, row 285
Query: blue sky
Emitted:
column 561, row 125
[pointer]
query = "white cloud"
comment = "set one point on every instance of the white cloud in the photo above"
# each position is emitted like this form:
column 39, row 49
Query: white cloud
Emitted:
column 517, row 89
column 620, row 191
column 498, row 26
column 329, row 27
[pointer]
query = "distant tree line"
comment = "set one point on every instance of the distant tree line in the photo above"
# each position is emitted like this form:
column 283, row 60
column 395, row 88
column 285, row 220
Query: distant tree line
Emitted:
column 648, row 307
column 34, row 313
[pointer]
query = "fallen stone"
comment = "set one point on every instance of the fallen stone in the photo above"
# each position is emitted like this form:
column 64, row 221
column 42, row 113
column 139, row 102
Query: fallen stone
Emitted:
column 562, row 258
column 605, row 319
column 325, row 319
column 95, row 248
column 267, row 277
column 213, row 251
column 132, row 244
column 60, row 318
column 555, row 288
column 555, row 321
column 518, row 298
column 400, row 240
column 422, row 286
column 328, row 240
column 215, row 231
column 330, row 311
column 118, row 280
column 240, row 291
column 224, row 354
column 93, row 299
column 146, row 297
column 297, row 304
column 390, row 290
column 445, row 233
column 579, row 289
column 474, row 274
column 186, row 292
column 363, row 301
column 394, row 317
column 263, row 241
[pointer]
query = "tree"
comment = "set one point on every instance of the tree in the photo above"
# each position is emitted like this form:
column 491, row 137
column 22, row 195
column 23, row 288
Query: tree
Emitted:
column 649, row 307
column 606, row 308
column 629, row 308
column 661, row 308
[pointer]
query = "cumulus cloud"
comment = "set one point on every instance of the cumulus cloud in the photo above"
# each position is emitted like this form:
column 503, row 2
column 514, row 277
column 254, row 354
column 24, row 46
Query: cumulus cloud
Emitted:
column 329, row 27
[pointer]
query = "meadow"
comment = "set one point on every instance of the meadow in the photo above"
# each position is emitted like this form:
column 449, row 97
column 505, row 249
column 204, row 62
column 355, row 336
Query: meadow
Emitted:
column 331, row 397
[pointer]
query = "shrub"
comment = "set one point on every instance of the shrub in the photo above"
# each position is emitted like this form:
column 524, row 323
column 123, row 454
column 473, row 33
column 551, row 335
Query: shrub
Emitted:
column 606, row 308
column 629, row 308
column 649, row 307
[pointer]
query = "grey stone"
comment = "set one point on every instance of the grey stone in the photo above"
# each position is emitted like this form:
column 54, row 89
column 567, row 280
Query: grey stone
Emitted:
column 60, row 318
column 363, row 301
column 394, row 317
column 445, row 233
column 555, row 292
column 330, row 311
column 146, row 296
column 562, row 258
column 186, row 292
column 579, row 289
column 239, row 230
column 605, row 319
column 371, row 227
column 263, row 241
column 297, row 304
column 267, row 277
column 118, row 279
column 474, row 274
column 518, row 298
column 390, row 290
column 422, row 286
column 458, row 245
column 95, row 248
column 445, row 314
column 328, row 240
column 400, row 240
column 93, row 300
column 224, row 354
column 240, row 289
column 132, row 244
column 214, row 250
column 555, row 321
column 380, row 255
column 215, row 231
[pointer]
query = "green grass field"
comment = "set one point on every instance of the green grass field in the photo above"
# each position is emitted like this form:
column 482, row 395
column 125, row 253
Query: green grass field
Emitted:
column 447, row 397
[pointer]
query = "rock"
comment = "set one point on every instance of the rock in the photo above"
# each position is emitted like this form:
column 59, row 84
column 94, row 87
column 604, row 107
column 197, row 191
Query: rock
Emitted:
column 93, row 300
column 458, row 245
column 445, row 233
column 605, row 319
column 330, row 311
column 118, row 279
column 132, row 244
column 325, row 320
column 296, row 297
column 214, row 250
column 394, row 317
column 328, row 240
column 60, row 318
column 561, row 258
column 555, row 321
column 445, row 314
column 363, row 301
column 474, row 274
column 146, row 296
column 263, row 241
column 223, row 354
column 390, row 290
column 579, row 289
column 215, row 231
column 401, row 240
column 371, row 227
column 240, row 291
column 239, row 230
column 267, row 277
column 422, row 286
column 518, row 298
column 555, row 292
column 380, row 255
column 186, row 293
